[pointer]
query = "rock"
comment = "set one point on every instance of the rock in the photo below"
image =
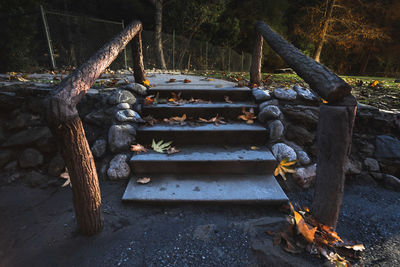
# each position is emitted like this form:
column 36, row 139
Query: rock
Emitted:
column 387, row 147
column 303, row 157
column 301, row 115
column 121, row 96
column 304, row 93
column 273, row 102
column 391, row 182
column 120, row 137
column 30, row 158
column 5, row 157
column 56, row 166
column 368, row 149
column 35, row 179
column 99, row 148
column 23, row 120
column 305, row 176
column 260, row 95
column 98, row 117
column 377, row 175
column 119, row 168
column 123, row 106
column 2, row 136
column 136, row 88
column 299, row 135
column 285, row 94
column 47, row 144
column 11, row 167
column 276, row 130
column 353, row 166
column 397, row 81
column 269, row 113
column 281, row 151
column 128, row 115
column 27, row 137
column 371, row 164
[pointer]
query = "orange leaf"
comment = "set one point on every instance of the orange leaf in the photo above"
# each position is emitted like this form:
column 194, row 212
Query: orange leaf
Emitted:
column 144, row 180
column 149, row 100
column 172, row 80
column 138, row 148
column 187, row 81
column 304, row 228
column 146, row 82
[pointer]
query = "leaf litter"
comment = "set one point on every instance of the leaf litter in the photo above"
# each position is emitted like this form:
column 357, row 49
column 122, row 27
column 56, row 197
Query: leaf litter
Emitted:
column 303, row 232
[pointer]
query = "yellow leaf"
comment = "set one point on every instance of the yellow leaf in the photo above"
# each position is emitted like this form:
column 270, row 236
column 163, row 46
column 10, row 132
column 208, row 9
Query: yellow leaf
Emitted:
column 146, row 82
column 324, row 101
column 138, row 148
column 254, row 148
column 358, row 247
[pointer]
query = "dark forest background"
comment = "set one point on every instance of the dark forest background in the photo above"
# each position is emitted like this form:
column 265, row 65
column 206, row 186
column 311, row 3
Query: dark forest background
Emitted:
column 354, row 37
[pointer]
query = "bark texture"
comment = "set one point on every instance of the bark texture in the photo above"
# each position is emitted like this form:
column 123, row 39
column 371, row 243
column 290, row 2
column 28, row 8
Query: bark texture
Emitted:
column 326, row 83
column 335, row 128
column 82, row 171
column 255, row 69
column 64, row 122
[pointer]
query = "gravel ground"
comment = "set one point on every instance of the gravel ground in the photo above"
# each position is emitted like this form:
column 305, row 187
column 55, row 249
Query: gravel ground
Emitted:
column 37, row 227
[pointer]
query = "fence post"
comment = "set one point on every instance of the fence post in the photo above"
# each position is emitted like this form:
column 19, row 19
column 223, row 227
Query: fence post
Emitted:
column 125, row 58
column 242, row 69
column 206, row 55
column 47, row 32
column 229, row 59
column 173, row 50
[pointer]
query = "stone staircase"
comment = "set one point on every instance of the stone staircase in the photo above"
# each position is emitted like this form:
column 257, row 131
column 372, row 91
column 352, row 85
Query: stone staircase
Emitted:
column 215, row 162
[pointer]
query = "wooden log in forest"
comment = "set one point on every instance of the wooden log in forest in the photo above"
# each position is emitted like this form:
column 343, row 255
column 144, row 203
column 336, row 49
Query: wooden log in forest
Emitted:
column 255, row 69
column 334, row 135
column 323, row 81
column 66, row 126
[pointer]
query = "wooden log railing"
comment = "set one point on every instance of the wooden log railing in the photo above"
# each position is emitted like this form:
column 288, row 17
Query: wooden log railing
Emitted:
column 65, row 124
column 335, row 123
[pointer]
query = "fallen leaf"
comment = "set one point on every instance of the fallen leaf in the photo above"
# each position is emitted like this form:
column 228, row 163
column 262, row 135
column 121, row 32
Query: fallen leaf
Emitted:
column 176, row 119
column 172, row 150
column 216, row 120
column 254, row 148
column 144, row 180
column 227, row 100
column 160, row 146
column 175, row 97
column 138, row 148
column 149, row 100
column 358, row 247
column 304, row 229
column 146, row 82
column 187, row 81
column 374, row 84
column 150, row 120
column 324, row 101
column 248, row 116
column 172, row 80
column 65, row 175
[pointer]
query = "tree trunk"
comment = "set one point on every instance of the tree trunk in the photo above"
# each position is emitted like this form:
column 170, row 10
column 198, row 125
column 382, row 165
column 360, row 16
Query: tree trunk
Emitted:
column 138, row 67
column 255, row 69
column 64, row 122
column 158, row 33
column 334, row 137
column 82, row 171
column 326, row 83
column 325, row 25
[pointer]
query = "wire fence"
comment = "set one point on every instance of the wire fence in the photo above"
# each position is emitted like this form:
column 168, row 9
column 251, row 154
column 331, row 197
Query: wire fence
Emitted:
column 60, row 40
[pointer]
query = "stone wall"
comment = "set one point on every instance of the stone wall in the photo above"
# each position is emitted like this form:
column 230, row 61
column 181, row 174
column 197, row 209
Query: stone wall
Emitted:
column 28, row 152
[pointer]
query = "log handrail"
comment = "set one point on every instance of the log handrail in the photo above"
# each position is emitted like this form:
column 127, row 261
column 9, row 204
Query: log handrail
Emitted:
column 335, row 125
column 66, row 126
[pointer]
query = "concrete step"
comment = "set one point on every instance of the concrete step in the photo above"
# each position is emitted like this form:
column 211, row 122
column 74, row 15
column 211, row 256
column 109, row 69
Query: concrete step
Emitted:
column 204, row 134
column 203, row 110
column 248, row 188
column 209, row 93
column 206, row 160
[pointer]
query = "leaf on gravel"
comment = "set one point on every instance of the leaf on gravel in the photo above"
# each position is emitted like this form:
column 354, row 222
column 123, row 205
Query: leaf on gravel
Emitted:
column 172, row 150
column 305, row 230
column 227, row 100
column 187, row 81
column 138, row 148
column 160, row 146
column 65, row 175
column 144, row 180
column 248, row 116
column 358, row 247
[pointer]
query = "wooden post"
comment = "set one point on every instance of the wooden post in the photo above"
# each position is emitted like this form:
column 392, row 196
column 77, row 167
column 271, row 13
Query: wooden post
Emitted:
column 255, row 69
column 47, row 32
column 138, row 67
column 335, row 128
column 66, row 126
